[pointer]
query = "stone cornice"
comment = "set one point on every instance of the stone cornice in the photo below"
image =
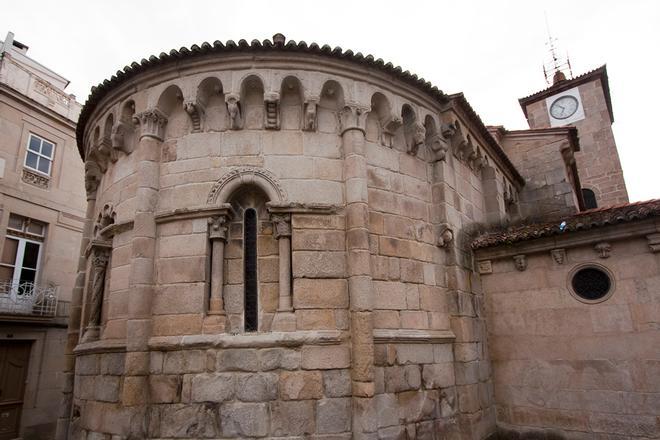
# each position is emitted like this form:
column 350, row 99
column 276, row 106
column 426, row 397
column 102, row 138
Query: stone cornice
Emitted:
column 37, row 106
column 254, row 340
column 193, row 212
column 301, row 208
column 101, row 346
column 257, row 48
column 570, row 240
column 405, row 336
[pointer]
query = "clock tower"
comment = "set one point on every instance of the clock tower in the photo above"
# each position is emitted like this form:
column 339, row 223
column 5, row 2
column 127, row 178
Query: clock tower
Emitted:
column 584, row 102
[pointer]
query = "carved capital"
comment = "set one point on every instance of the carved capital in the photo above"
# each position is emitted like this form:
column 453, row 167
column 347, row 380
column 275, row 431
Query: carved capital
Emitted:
column 196, row 112
column 281, row 225
column 106, row 217
column 520, row 261
column 353, row 117
column 218, row 227
column 100, row 258
column 152, row 123
column 603, row 249
column 233, row 110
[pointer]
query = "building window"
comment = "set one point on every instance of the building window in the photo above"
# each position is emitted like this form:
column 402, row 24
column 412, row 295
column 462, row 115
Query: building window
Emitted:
column 250, row 270
column 19, row 263
column 39, row 155
column 591, row 283
column 589, row 198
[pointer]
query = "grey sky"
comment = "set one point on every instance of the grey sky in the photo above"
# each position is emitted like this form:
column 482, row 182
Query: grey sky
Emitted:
column 490, row 50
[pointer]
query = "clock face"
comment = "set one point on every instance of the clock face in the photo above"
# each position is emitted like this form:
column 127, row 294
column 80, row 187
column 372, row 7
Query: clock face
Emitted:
column 564, row 107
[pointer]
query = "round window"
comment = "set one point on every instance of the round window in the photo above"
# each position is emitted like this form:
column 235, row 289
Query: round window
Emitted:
column 591, row 283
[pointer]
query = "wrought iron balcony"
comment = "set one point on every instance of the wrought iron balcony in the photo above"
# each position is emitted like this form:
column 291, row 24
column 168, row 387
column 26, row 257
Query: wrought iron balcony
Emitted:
column 28, row 299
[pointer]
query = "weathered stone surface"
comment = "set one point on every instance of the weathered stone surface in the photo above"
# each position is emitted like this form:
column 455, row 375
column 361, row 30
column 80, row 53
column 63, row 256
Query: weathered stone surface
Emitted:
column 244, row 419
column 164, row 388
column 438, row 375
column 213, row 387
column 325, row 358
column 190, row 421
column 333, row 415
column 184, row 361
column 292, row 418
column 301, row 385
column 337, row 383
column 256, row 387
column 276, row 358
column 402, row 378
column 238, row 359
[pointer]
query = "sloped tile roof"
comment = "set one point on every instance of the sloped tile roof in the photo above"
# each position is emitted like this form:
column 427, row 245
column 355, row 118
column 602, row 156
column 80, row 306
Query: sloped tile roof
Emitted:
column 589, row 219
column 231, row 47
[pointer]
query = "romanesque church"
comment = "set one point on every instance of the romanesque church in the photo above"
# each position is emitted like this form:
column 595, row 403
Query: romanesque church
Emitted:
column 292, row 241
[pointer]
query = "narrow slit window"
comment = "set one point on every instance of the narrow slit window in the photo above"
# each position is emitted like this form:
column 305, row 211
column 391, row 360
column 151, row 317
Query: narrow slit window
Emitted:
column 250, row 270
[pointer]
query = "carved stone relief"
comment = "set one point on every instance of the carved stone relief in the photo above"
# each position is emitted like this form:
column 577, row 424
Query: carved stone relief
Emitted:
column 234, row 111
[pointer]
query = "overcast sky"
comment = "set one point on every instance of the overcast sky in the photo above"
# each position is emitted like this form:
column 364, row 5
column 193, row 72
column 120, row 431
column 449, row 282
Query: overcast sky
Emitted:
column 493, row 51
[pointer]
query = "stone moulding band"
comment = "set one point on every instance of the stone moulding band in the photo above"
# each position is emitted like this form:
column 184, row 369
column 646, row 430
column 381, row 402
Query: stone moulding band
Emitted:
column 102, row 346
column 263, row 340
column 383, row 336
column 192, row 213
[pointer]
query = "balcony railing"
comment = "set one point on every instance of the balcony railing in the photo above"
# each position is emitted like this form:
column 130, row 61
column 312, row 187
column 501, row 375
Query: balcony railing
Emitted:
column 27, row 299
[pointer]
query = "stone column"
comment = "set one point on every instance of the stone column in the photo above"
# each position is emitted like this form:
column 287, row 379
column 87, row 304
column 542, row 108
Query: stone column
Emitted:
column 353, row 118
column 100, row 255
column 282, row 230
column 218, row 237
column 284, row 319
column 92, row 179
column 141, row 277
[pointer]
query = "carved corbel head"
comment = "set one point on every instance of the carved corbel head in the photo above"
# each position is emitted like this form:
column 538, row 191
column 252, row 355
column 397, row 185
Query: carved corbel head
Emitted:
column 520, row 261
column 390, row 124
column 233, row 110
column 92, row 176
column 417, row 138
column 445, row 235
column 558, row 255
column 272, row 102
column 438, row 147
column 309, row 117
column 195, row 109
column 603, row 249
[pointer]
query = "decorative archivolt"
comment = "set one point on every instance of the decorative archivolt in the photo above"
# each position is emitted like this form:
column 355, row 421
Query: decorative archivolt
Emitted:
column 232, row 180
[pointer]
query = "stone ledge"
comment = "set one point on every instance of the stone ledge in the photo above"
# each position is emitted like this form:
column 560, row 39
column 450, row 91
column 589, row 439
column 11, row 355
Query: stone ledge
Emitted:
column 102, row 346
column 387, row 336
column 258, row 340
column 192, row 213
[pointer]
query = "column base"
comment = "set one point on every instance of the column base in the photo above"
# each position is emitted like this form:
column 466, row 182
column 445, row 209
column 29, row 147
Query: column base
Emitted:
column 92, row 333
column 214, row 322
column 284, row 321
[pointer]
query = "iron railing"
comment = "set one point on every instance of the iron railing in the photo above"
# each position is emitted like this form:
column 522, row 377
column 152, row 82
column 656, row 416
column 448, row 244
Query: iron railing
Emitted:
column 27, row 299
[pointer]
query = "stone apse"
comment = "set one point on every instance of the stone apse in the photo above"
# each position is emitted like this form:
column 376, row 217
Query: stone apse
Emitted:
column 273, row 248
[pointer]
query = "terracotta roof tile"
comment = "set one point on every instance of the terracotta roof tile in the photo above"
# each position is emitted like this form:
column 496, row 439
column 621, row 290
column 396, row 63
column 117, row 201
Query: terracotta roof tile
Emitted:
column 589, row 219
